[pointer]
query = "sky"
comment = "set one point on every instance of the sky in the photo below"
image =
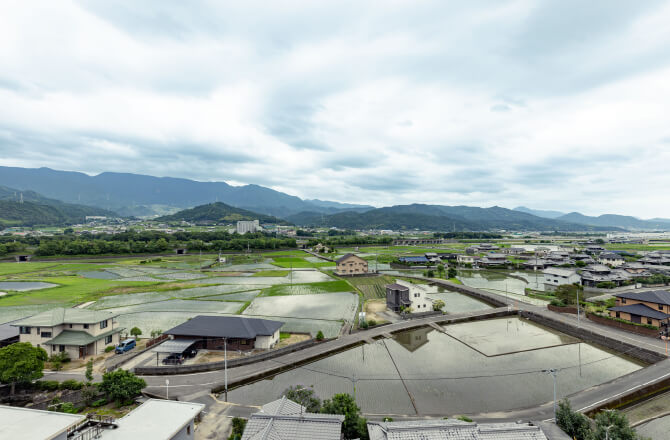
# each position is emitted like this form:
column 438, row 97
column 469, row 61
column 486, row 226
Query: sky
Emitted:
column 557, row 105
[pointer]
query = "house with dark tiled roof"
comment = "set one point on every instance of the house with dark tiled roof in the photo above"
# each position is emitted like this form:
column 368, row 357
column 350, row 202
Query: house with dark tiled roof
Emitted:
column 351, row 264
column 284, row 419
column 650, row 307
column 611, row 259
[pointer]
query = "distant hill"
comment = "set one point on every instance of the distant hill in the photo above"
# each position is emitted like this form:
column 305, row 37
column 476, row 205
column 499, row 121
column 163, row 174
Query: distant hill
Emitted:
column 136, row 194
column 612, row 220
column 540, row 212
column 37, row 210
column 439, row 218
column 220, row 213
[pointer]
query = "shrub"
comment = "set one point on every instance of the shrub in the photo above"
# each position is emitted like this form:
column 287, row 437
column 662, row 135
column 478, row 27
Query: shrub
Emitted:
column 465, row 419
column 238, row 428
column 606, row 285
column 99, row 403
column 71, row 384
column 62, row 357
column 557, row 303
column 47, row 385
column 67, row 407
column 363, row 324
column 121, row 385
column 108, row 349
column 319, row 336
column 372, row 322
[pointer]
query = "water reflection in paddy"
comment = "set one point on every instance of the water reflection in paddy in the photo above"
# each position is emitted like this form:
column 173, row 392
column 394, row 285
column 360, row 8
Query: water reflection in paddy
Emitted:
column 444, row 375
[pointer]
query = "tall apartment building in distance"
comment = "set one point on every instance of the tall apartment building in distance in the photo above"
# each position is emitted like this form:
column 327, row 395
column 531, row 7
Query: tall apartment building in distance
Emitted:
column 248, row 226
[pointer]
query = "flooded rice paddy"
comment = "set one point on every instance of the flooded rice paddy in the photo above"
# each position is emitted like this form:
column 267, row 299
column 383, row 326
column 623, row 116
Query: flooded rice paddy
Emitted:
column 485, row 366
column 25, row 286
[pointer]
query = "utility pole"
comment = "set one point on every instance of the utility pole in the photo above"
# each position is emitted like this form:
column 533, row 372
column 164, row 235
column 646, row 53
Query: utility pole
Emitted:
column 578, row 321
column 553, row 372
column 167, row 389
column 225, row 367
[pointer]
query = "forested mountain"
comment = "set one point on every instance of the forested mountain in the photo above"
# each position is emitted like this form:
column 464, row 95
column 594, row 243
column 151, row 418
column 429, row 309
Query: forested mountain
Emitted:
column 39, row 210
column 621, row 221
column 220, row 213
column 437, row 217
column 540, row 212
column 135, row 194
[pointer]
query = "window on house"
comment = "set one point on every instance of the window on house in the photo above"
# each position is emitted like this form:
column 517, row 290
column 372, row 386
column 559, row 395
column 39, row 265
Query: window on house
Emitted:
column 649, row 321
column 46, row 334
column 623, row 300
column 188, row 430
column 108, row 339
column 243, row 342
column 61, row 348
column 103, row 324
column 618, row 315
column 85, row 325
column 24, row 330
column 660, row 307
column 70, row 325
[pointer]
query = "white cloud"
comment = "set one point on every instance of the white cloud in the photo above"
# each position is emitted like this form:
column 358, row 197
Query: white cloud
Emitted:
column 381, row 103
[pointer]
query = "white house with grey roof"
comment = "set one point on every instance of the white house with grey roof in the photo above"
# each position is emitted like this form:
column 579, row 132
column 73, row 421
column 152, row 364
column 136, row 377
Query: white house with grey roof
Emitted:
column 284, row 419
column 556, row 276
column 452, row 429
column 78, row 332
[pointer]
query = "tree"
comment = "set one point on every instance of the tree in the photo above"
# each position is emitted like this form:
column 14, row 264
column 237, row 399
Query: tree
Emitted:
column 21, row 362
column 304, row 396
column 238, row 428
column 440, row 270
column 452, row 273
column 319, row 336
column 121, row 386
column 89, row 370
column 135, row 331
column 354, row 426
column 573, row 423
column 567, row 293
column 614, row 423
column 438, row 305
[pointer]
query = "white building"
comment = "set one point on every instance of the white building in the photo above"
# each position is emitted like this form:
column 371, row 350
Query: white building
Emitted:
column 417, row 296
column 465, row 259
column 248, row 226
column 78, row 332
column 155, row 419
column 611, row 259
column 554, row 276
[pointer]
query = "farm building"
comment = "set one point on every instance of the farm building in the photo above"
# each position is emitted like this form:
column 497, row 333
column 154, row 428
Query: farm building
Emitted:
column 237, row 333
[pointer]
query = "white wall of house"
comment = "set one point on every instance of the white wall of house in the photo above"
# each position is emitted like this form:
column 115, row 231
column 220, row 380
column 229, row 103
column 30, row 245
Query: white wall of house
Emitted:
column 267, row 342
column 613, row 262
column 465, row 259
column 37, row 336
column 560, row 279
column 418, row 296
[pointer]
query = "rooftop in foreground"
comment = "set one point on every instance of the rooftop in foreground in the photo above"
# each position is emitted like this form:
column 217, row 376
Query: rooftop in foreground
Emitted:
column 16, row 423
column 452, row 429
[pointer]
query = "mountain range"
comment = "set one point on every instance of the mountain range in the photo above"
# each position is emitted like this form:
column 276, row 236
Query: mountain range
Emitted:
column 28, row 208
column 220, row 213
column 142, row 195
column 619, row 221
column 438, row 217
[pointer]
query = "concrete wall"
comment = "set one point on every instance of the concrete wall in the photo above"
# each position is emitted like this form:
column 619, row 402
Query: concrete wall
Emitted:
column 267, row 342
column 623, row 326
column 185, row 433
column 634, row 351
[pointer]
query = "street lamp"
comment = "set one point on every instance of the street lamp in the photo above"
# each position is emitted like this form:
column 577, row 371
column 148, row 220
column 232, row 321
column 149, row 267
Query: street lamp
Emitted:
column 553, row 372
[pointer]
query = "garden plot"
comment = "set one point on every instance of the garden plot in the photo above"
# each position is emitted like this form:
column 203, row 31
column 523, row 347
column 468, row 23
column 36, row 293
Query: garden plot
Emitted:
column 145, row 297
column 329, row 306
column 180, row 305
column 308, row 289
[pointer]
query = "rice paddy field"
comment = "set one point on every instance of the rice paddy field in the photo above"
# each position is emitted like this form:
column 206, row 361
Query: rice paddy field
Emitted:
column 162, row 293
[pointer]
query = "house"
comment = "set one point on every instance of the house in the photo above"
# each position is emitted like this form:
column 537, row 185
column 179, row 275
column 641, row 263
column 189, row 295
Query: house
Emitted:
column 554, row 276
column 650, row 307
column 284, row 419
column 351, row 264
column 414, row 260
column 611, row 259
column 487, row 247
column 78, row 332
column 22, row 258
column 536, row 263
column 494, row 260
column 432, row 257
column 321, row 248
column 465, row 259
column 402, row 294
column 155, row 419
column 593, row 249
column 599, row 273
column 8, row 334
column 235, row 332
column 453, row 429
column 655, row 258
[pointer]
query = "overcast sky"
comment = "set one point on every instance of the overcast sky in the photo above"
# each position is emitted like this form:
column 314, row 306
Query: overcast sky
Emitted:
column 549, row 104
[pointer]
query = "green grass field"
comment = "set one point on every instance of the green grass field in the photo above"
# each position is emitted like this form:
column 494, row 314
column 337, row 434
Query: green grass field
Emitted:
column 299, row 263
column 72, row 289
column 271, row 273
